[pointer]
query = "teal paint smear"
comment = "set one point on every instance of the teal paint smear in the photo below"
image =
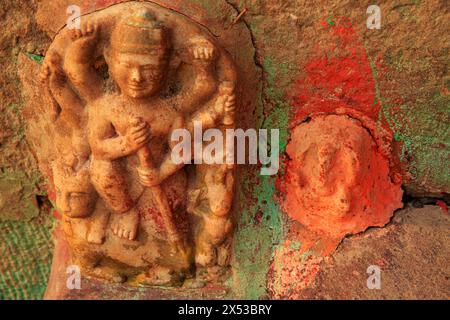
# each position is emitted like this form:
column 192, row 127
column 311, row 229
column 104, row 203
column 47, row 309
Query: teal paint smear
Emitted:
column 261, row 227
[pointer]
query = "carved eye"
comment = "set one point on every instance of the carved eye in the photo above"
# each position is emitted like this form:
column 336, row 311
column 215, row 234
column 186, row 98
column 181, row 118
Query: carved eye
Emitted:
column 149, row 68
column 78, row 195
column 126, row 64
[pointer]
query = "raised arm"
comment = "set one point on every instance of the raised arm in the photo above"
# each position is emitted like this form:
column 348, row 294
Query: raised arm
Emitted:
column 202, row 56
column 79, row 62
column 219, row 111
column 52, row 75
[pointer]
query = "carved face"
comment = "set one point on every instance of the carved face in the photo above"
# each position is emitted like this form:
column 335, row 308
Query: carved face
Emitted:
column 74, row 203
column 138, row 75
column 328, row 174
column 337, row 182
column 326, row 165
column 75, row 196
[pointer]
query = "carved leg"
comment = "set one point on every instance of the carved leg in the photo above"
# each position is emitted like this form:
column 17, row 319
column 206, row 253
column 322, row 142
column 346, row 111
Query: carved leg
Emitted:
column 107, row 176
column 97, row 227
column 216, row 224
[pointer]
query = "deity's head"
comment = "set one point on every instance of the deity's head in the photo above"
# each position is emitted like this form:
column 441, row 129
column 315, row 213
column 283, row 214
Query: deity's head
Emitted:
column 75, row 195
column 139, row 54
column 337, row 180
column 329, row 152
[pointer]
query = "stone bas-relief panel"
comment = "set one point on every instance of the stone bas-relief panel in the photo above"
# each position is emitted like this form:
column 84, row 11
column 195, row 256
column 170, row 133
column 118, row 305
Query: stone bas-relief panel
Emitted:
column 120, row 86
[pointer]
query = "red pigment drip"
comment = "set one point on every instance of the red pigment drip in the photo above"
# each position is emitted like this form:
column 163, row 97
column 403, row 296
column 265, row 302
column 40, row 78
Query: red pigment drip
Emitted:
column 57, row 215
column 443, row 206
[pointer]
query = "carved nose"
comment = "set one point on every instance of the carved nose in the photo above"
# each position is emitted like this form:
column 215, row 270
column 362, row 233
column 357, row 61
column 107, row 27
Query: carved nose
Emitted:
column 136, row 75
column 63, row 203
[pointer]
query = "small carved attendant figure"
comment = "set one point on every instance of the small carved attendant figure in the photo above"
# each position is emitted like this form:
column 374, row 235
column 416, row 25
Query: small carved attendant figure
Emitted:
column 76, row 198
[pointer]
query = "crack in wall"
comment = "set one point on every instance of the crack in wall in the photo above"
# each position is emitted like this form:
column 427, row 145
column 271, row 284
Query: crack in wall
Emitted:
column 265, row 100
column 256, row 57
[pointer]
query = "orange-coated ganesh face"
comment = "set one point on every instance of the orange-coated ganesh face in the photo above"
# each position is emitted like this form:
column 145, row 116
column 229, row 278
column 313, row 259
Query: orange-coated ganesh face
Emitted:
column 328, row 174
column 337, row 182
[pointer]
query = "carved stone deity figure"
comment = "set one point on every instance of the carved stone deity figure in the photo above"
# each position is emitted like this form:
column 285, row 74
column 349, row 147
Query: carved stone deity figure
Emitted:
column 123, row 85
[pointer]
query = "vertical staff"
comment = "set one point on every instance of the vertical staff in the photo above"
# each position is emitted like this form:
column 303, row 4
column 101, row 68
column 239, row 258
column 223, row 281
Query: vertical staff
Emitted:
column 175, row 238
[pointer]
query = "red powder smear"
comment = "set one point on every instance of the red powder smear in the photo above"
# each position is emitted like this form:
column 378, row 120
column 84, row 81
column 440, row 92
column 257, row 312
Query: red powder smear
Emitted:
column 443, row 206
column 56, row 215
column 319, row 243
column 339, row 179
column 339, row 76
column 151, row 213
column 51, row 194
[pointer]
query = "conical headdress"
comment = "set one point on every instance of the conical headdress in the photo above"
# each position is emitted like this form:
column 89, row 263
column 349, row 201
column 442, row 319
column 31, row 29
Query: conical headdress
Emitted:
column 141, row 33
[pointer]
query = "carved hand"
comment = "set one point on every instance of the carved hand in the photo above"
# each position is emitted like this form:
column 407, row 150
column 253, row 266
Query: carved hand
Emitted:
column 84, row 41
column 88, row 30
column 225, row 106
column 202, row 50
column 137, row 135
column 52, row 72
column 79, row 61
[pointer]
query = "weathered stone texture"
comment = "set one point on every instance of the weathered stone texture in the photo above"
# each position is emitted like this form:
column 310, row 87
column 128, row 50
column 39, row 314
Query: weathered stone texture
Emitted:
column 408, row 58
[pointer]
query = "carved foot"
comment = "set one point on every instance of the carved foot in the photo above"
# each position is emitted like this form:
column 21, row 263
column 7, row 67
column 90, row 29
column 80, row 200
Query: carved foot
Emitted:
column 204, row 258
column 126, row 224
column 205, row 255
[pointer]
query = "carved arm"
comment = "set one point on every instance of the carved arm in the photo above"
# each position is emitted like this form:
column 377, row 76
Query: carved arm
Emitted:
column 79, row 59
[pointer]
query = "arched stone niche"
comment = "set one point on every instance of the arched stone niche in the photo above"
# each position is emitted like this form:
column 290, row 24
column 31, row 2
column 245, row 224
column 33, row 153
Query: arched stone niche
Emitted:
column 185, row 220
